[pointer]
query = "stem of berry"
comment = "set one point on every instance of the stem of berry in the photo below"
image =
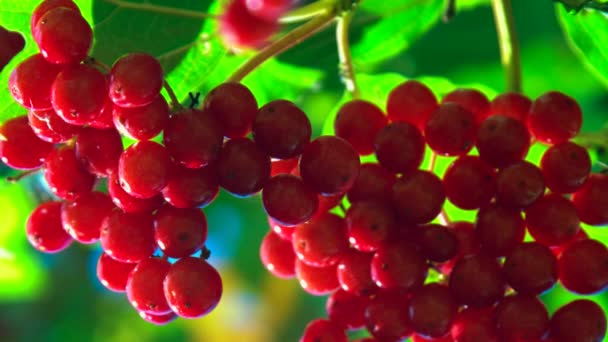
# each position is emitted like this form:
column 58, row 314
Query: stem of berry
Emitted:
column 175, row 105
column 161, row 9
column 307, row 12
column 93, row 61
column 509, row 45
column 20, row 176
column 287, row 41
column 346, row 69
column 450, row 11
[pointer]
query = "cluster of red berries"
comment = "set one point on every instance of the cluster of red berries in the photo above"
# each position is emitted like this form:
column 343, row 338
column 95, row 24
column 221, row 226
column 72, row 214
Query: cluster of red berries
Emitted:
column 250, row 23
column 373, row 258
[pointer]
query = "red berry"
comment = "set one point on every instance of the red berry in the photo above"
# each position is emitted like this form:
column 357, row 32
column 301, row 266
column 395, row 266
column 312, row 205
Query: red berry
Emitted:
column 358, row 122
column 188, row 188
column 519, row 185
column 521, row 318
column 399, row 147
column 104, row 120
column 286, row 233
column 142, row 123
column 31, row 81
column 144, row 169
column 499, row 229
column 44, row 229
column 438, row 243
column 579, row 320
column 288, row 201
column 583, row 267
column 145, row 286
column 63, row 36
column 565, row 166
column 473, row 325
column 322, row 330
column 329, row 165
column 554, row 118
column 369, row 224
column 128, row 237
column 281, row 129
column 158, row 319
column 346, row 309
column 20, row 148
column 277, row 256
column 470, row 99
column 354, row 273
column 411, row 102
column 113, row 274
column 398, row 264
column 49, row 127
column 65, row 174
column 48, row 5
column 477, row 281
column 135, row 80
column 99, row 150
column 372, row 183
column 283, row 166
column 317, row 281
column 513, row 105
column 467, row 243
column 82, row 217
column 234, row 106
column 127, row 202
column 552, row 220
column 179, row 232
column 386, row 316
column 243, row 169
column 530, row 268
column 451, row 130
column 235, row 26
column 321, row 241
column 193, row 288
column 431, row 310
column 591, row 201
column 418, row 197
column 502, row 141
column 469, row 182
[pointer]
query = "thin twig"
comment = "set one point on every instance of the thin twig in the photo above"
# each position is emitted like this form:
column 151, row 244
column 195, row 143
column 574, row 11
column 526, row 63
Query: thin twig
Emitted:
column 175, row 105
column 508, row 43
column 307, row 12
column 162, row 9
column 346, row 68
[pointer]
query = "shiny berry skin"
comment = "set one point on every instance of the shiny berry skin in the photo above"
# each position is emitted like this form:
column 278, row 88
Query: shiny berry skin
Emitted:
column 321, row 241
column 243, row 169
column 372, row 183
column 48, row 5
column 565, row 166
column 66, row 176
column 127, row 202
column 285, row 233
column 128, row 237
column 145, row 286
column 369, row 224
column 99, row 150
column 513, row 105
column 270, row 10
column 144, row 169
column 554, row 117
column 193, row 287
column 521, row 318
column 44, row 230
column 519, row 185
column 470, row 99
column 135, row 80
column 431, row 310
column 63, row 36
column 31, row 81
column 530, row 268
column 79, row 94
column 49, row 127
column 158, row 319
column 552, row 220
column 591, row 201
column 386, row 316
column 451, row 130
column 477, row 281
column 20, row 148
column 499, row 229
column 502, row 141
column 234, row 106
column 189, row 188
column 277, row 256
column 354, row 273
column 358, row 122
column 104, row 120
column 236, row 34
column 317, row 281
column 580, row 320
column 329, row 165
column 470, row 183
column 399, row 147
column 438, row 243
column 346, row 309
column 323, row 330
column 398, row 264
column 288, row 200
column 113, row 274
column 281, row 129
column 193, row 138
column 179, row 232
column 583, row 267
column 283, row 166
column 411, row 101
column 473, row 325
column 418, row 197
column 82, row 217
column 142, row 123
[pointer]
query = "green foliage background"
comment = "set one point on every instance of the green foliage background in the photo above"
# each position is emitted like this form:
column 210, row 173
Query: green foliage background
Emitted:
column 57, row 297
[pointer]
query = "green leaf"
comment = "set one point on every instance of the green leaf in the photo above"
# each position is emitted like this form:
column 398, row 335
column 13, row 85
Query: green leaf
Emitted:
column 587, row 33
column 396, row 32
column 390, row 7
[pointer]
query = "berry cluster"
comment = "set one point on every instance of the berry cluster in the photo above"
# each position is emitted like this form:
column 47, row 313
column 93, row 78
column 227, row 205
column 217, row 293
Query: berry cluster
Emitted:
column 250, row 23
column 374, row 256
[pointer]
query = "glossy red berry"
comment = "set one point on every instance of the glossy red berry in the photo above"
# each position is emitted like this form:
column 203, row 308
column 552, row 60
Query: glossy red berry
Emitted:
column 438, row 243
column 354, row 273
column 235, row 26
column 386, row 316
column 281, row 129
column 470, row 183
column 530, row 268
column 49, row 127
column 144, row 169
column 323, row 330
column 579, row 320
column 127, row 202
column 20, row 148
column 243, row 169
column 470, row 99
column 82, row 217
column 412, row 102
column 552, row 220
column 513, row 105
column 288, row 200
column 583, row 267
column 48, row 5
column 370, row 224
column 189, row 188
column 128, row 237
column 63, row 36
column 277, row 256
column 234, row 106
column 317, row 281
column 499, row 229
column 31, row 81
column 474, row 324
column 79, row 94
column 431, row 310
column 554, row 118
column 451, row 130
column 519, row 185
column 66, row 176
column 591, row 201
column 142, row 123
column 502, row 141
column 158, row 319
column 321, row 241
column 418, row 197
column 99, row 150
column 399, row 147
column 477, row 281
column 44, row 229
column 398, row 264
column 113, row 274
column 358, row 122
column 565, row 166
column 179, row 232
column 193, row 287
column 346, row 309
column 145, row 286
column 286, row 233
column 521, row 318
column 135, row 80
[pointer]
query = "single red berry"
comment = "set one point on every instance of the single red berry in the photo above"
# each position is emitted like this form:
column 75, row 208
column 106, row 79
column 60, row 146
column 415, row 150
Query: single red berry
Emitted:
column 20, row 148
column 321, row 241
column 431, row 310
column 552, row 220
column 565, row 166
column 322, row 330
column 234, row 106
column 277, row 256
column 370, row 224
column 411, row 102
column 179, row 232
column 66, row 176
column 142, row 123
column 288, row 200
column 235, row 26
column 477, row 281
column 530, row 268
column 591, row 201
column 113, row 274
column 144, row 169
column 502, row 141
column 135, row 80
column 317, row 281
column 49, row 127
column 63, row 36
column 48, row 5
column 399, row 147
column 82, row 217
column 451, row 130
column 499, row 229
column 346, row 309
column 193, row 287
column 99, row 150
column 281, row 129
column 44, row 229
column 372, row 184
column 521, row 318
column 188, row 188
column 158, row 319
column 398, row 264
column 31, row 81
column 128, row 237
column 470, row 99
column 519, row 185
column 513, row 105
column 386, row 316
column 554, row 118
column 438, row 243
column 358, row 122
column 243, row 169
column 128, row 203
column 470, row 183
column 354, row 273
column 583, row 267
column 474, row 324
column 579, row 320
column 145, row 286
column 418, row 197
column 286, row 233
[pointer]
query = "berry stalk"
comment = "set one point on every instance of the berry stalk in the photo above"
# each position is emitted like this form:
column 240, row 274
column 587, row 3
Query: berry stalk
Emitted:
column 347, row 72
column 161, row 9
column 508, row 43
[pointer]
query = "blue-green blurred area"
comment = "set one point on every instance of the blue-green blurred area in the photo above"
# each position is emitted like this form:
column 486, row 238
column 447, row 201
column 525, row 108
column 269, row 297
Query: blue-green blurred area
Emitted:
column 58, row 297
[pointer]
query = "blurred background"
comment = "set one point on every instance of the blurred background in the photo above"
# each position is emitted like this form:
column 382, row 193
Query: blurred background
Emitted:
column 58, row 297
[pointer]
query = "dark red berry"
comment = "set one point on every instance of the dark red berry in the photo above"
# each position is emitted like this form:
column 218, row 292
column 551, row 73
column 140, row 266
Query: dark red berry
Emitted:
column 412, row 102
column 591, row 201
column 188, row 188
column 521, row 318
column 473, row 325
column 234, row 106
column 499, row 229
column 469, row 182
column 179, row 232
column 145, row 286
column 530, row 268
column 44, row 229
column 438, row 243
column 49, row 127
column 399, row 147
column 370, row 224
column 135, row 80
column 386, row 316
column 321, row 241
column 288, row 200
column 243, row 169
column 346, row 309
column 477, row 281
column 470, row 99
column 144, row 169
column 552, row 220
column 127, row 202
column 580, row 320
column 358, row 122
column 554, row 118
column 583, row 267
column 398, row 264
column 235, row 26
column 565, row 166
column 451, row 130
column 142, row 123
column 354, row 273
column 513, row 105
column 418, row 197
column 502, row 141
column 48, row 5
column 372, row 184
column 322, row 330
column 158, row 319
column 519, row 185
column 431, row 310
